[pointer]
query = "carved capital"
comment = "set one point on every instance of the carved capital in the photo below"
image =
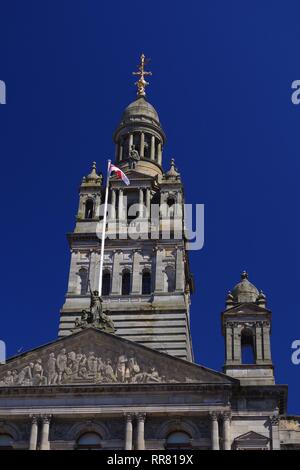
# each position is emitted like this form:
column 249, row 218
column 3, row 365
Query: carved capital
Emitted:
column 128, row 417
column 141, row 416
column 214, row 416
column 226, row 415
column 46, row 419
column 34, row 419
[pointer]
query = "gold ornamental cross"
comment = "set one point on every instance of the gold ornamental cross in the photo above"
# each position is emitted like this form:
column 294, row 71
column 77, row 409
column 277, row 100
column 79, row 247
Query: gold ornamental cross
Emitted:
column 141, row 83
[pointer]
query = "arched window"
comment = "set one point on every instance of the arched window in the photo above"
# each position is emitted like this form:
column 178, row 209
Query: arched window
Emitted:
column 106, row 283
column 146, row 282
column 89, row 441
column 247, row 347
column 178, row 440
column 169, row 279
column 83, row 274
column 6, row 442
column 126, row 278
column 89, row 209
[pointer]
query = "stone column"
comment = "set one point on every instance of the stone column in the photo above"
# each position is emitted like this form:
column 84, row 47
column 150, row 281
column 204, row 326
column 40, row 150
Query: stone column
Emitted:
column 136, row 275
column 93, row 267
column 73, row 285
column 128, row 431
column 148, row 202
column 159, row 284
column 141, row 202
column 237, row 353
column 113, row 205
column 258, row 340
column 121, row 205
column 179, row 270
column 229, row 342
column 130, row 142
column 45, row 432
column 33, row 432
column 159, row 154
column 266, row 341
column 152, row 149
column 141, row 431
column 116, row 275
column 214, row 431
column 227, row 430
column 274, row 420
column 142, row 144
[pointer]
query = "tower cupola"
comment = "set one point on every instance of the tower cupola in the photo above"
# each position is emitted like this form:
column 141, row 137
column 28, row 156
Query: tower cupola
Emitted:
column 139, row 137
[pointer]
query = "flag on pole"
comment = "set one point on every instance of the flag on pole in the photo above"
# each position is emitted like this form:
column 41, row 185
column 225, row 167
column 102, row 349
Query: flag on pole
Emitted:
column 119, row 173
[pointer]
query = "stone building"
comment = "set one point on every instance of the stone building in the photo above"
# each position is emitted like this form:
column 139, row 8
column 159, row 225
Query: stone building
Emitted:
column 134, row 384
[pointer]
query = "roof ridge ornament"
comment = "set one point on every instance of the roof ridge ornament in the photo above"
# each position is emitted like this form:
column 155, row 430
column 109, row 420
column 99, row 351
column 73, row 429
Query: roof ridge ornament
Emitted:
column 142, row 83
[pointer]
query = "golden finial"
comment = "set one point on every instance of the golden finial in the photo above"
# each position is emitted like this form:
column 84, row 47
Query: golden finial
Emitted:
column 141, row 83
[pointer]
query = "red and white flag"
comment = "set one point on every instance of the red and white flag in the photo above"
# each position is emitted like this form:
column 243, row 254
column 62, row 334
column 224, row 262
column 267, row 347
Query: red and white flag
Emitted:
column 119, row 173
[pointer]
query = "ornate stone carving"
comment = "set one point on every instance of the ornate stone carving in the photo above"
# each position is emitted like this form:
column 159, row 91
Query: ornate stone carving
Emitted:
column 289, row 424
column 274, row 420
column 95, row 316
column 214, row 416
column 72, row 368
column 226, row 415
column 133, row 156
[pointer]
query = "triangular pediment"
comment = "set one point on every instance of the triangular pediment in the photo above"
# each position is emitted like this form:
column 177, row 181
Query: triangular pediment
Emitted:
column 247, row 307
column 251, row 436
column 92, row 356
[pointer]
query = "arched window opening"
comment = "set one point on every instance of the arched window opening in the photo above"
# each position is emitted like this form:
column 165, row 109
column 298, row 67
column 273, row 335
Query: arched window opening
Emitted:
column 106, row 283
column 89, row 441
column 126, row 278
column 89, row 209
column 146, row 282
column 247, row 347
column 83, row 274
column 178, row 440
column 6, row 442
column 169, row 279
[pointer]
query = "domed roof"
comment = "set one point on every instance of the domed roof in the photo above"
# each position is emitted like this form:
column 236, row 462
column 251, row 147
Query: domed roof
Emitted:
column 244, row 291
column 140, row 107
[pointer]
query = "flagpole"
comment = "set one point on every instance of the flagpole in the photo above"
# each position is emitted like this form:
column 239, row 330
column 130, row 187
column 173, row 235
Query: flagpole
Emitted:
column 104, row 229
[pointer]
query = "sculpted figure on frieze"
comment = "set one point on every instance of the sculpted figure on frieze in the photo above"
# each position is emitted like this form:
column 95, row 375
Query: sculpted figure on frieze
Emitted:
column 72, row 367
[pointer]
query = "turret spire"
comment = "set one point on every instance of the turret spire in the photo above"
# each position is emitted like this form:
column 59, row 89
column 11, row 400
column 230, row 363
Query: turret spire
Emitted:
column 141, row 83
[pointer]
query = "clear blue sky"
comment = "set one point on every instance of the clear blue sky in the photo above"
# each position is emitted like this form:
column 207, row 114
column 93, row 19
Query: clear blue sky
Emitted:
column 222, row 74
